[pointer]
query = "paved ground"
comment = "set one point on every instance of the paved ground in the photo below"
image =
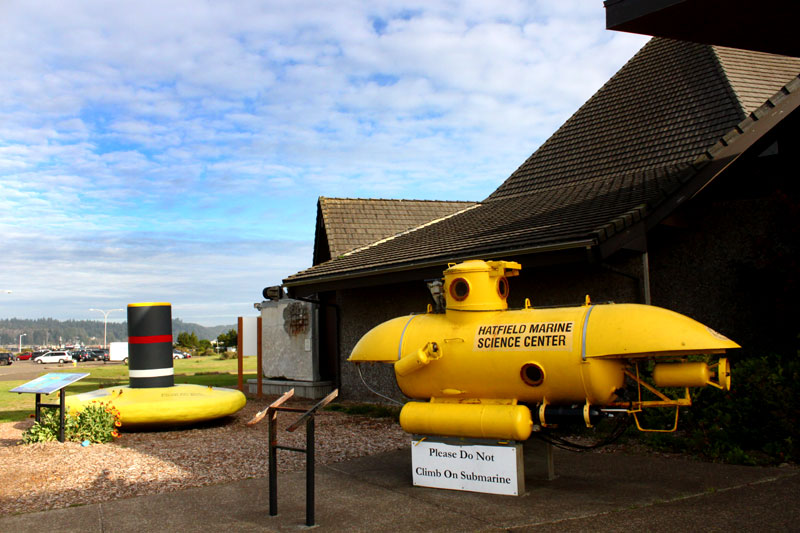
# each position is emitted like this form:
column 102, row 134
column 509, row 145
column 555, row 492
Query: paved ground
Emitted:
column 593, row 492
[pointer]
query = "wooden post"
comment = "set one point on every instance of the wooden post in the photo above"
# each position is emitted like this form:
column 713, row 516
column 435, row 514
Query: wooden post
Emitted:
column 239, row 356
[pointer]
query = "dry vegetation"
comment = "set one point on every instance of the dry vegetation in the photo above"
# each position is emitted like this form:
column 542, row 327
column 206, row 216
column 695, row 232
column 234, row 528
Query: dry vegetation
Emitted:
column 52, row 475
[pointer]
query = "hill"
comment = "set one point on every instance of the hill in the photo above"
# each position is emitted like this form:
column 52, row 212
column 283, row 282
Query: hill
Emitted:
column 52, row 332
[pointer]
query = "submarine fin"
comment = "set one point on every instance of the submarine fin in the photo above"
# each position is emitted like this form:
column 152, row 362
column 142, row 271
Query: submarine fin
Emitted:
column 630, row 331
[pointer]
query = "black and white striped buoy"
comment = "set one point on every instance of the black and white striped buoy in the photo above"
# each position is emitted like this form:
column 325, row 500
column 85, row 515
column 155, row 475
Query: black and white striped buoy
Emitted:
column 150, row 345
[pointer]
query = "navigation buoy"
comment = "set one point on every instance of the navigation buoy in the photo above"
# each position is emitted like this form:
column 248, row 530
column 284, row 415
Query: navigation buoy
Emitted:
column 152, row 398
column 150, row 361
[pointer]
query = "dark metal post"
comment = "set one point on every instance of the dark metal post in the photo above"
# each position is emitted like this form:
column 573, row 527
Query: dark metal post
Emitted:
column 308, row 417
column 273, row 463
column 38, row 407
column 62, row 402
column 310, row 472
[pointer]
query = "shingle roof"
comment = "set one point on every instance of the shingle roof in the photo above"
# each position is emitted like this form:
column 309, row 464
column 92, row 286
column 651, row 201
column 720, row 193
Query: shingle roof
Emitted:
column 755, row 76
column 350, row 223
column 631, row 145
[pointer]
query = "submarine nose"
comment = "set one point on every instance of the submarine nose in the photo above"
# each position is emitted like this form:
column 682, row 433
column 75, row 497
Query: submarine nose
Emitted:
column 382, row 344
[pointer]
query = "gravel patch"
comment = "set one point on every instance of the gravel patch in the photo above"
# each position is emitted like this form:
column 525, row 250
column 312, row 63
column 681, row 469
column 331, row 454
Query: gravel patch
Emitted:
column 52, row 475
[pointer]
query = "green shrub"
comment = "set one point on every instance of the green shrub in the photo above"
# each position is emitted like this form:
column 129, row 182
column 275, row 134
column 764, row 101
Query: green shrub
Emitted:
column 46, row 430
column 756, row 422
column 96, row 423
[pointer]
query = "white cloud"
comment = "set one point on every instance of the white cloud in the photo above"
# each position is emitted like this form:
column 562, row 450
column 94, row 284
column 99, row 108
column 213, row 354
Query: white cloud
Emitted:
column 193, row 121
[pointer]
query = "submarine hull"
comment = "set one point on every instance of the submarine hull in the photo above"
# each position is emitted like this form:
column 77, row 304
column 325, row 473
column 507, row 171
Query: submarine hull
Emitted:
column 477, row 360
column 561, row 355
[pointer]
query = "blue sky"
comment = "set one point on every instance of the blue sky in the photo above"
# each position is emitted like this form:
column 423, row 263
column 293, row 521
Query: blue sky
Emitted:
column 174, row 151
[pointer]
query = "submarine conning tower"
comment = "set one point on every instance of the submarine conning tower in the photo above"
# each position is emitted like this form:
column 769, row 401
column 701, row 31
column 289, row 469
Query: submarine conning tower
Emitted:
column 478, row 285
column 150, row 345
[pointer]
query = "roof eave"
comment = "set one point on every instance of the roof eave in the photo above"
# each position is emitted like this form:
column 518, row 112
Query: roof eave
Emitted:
column 438, row 261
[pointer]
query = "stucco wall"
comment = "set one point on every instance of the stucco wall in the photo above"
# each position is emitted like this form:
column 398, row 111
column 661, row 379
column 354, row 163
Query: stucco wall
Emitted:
column 361, row 310
column 734, row 270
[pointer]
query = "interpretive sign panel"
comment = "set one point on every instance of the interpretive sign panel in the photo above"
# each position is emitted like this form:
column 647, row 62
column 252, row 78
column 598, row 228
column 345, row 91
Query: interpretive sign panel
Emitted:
column 249, row 335
column 493, row 469
column 49, row 383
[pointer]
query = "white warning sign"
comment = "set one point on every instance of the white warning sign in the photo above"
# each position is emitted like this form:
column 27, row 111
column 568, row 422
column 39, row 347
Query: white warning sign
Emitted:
column 525, row 336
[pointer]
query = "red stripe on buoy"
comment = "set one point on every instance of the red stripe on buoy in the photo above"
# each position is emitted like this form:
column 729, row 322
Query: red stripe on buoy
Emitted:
column 150, row 339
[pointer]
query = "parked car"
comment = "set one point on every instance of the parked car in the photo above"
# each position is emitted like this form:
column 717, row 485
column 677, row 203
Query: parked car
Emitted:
column 99, row 355
column 55, row 357
column 178, row 355
column 34, row 355
column 6, row 358
column 23, row 356
column 80, row 355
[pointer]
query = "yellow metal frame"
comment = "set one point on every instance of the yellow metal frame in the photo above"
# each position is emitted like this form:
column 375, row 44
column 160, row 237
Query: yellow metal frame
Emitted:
column 639, row 405
column 723, row 374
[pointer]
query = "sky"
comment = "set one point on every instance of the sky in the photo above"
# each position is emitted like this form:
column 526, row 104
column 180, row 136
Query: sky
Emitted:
column 174, row 151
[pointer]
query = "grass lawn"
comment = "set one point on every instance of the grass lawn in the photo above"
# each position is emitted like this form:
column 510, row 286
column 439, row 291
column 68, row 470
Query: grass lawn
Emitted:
column 208, row 370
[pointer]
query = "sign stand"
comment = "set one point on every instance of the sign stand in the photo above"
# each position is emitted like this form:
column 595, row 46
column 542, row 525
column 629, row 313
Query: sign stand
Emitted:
column 48, row 384
column 308, row 418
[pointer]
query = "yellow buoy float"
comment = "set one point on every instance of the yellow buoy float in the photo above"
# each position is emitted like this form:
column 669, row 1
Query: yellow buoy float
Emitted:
column 163, row 406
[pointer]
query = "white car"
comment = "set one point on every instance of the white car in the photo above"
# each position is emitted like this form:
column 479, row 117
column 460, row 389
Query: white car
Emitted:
column 54, row 357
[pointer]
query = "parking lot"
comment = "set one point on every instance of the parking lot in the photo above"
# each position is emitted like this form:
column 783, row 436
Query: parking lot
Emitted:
column 21, row 370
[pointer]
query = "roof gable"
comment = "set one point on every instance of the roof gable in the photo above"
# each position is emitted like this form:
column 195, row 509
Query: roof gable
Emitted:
column 345, row 224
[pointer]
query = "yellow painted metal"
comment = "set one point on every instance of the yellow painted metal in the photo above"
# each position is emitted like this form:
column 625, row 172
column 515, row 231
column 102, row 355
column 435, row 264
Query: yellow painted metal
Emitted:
column 484, row 282
column 150, row 304
column 481, row 420
column 563, row 356
column 416, row 360
column 633, row 330
column 681, row 375
column 163, row 406
column 672, row 429
column 723, row 374
column 380, row 344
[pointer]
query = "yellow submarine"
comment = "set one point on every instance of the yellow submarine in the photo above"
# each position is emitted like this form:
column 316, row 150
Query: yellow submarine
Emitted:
column 485, row 371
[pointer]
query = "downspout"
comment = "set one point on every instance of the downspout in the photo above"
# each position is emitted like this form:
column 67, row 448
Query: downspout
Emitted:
column 336, row 309
column 642, row 280
column 646, row 276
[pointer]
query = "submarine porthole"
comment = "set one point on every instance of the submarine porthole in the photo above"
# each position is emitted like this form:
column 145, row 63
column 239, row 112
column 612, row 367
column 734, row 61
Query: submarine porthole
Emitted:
column 532, row 374
column 502, row 287
column 459, row 289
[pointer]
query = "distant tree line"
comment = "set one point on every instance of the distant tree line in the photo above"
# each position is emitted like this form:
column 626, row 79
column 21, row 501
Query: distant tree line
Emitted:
column 52, row 332
column 190, row 341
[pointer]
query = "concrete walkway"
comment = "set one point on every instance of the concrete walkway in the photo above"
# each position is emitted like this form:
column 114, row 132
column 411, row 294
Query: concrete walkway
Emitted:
column 593, row 492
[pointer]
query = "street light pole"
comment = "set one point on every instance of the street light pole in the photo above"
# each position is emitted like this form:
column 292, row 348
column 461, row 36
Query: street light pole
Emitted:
column 20, row 342
column 105, row 322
